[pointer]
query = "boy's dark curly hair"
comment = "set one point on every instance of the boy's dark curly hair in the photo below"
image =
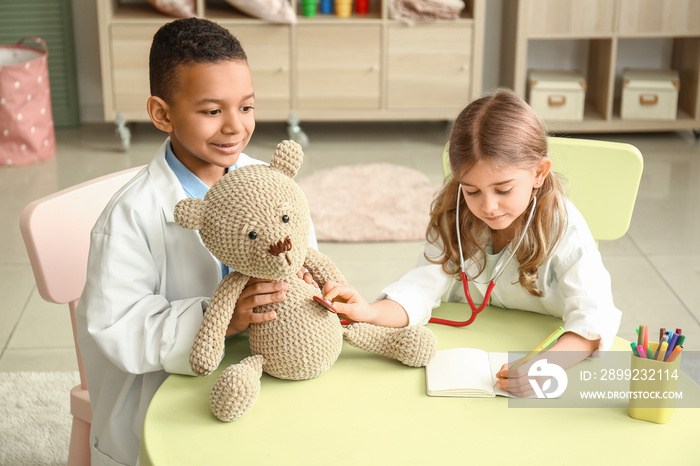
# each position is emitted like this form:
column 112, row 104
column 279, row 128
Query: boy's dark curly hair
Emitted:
column 186, row 42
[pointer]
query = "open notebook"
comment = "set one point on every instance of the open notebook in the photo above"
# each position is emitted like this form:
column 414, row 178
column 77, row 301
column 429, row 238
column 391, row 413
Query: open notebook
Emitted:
column 465, row 372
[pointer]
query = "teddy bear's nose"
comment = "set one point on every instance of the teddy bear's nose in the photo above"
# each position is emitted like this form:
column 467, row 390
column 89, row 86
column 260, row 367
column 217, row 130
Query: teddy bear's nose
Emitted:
column 280, row 247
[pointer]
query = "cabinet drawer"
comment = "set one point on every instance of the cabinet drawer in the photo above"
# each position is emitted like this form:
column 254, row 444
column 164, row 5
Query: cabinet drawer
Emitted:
column 338, row 67
column 130, row 46
column 672, row 17
column 267, row 48
column 429, row 66
column 569, row 18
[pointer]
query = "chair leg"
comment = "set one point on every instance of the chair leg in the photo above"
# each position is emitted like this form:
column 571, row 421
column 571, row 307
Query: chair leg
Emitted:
column 79, row 450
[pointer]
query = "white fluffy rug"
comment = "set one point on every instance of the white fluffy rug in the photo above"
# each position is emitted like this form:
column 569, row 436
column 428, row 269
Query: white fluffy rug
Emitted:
column 373, row 202
column 35, row 423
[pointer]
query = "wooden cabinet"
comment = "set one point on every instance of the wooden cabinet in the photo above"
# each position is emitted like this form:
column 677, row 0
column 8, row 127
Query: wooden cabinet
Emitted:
column 129, row 49
column 429, row 67
column 338, row 67
column 268, row 49
column 605, row 30
column 665, row 17
column 547, row 18
column 366, row 67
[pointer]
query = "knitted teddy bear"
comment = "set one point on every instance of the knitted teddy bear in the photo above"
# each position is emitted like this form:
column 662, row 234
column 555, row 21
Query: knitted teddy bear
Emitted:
column 256, row 220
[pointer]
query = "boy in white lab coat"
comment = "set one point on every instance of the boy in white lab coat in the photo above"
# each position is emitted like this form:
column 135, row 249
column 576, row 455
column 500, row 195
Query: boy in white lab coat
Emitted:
column 148, row 279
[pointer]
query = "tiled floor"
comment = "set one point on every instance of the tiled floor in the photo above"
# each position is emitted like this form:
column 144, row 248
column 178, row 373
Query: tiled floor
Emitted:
column 655, row 267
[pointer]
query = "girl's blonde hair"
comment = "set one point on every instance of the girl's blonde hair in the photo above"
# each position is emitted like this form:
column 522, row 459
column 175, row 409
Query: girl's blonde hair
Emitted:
column 502, row 129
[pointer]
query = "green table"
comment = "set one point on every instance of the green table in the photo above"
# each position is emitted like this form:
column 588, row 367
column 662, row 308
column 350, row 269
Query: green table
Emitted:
column 370, row 410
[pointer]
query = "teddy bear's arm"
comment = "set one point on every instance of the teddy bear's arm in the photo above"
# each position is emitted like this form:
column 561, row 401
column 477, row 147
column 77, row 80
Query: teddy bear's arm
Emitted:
column 321, row 268
column 208, row 345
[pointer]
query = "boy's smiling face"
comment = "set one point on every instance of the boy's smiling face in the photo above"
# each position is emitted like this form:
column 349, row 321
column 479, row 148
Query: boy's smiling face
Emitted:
column 211, row 116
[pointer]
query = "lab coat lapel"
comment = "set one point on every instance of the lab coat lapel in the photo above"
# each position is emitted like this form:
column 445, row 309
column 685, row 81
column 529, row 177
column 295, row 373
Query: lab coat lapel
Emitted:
column 170, row 192
column 168, row 187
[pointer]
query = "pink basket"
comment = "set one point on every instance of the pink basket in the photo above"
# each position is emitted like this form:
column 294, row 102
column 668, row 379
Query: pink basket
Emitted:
column 26, row 120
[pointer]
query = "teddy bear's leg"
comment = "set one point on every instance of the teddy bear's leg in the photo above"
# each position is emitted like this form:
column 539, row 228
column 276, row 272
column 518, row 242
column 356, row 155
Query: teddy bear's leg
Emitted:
column 414, row 346
column 236, row 389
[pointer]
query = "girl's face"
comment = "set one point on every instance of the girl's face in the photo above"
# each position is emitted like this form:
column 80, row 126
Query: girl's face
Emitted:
column 498, row 195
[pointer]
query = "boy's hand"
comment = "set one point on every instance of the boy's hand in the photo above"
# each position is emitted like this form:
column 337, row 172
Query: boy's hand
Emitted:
column 348, row 302
column 256, row 293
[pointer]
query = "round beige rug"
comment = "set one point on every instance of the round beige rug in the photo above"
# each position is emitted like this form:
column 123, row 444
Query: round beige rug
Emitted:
column 374, row 202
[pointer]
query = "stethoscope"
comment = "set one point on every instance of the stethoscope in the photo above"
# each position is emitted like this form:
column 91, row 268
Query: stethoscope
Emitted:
column 496, row 274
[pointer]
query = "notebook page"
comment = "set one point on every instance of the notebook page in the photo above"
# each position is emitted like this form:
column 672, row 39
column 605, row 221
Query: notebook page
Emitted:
column 496, row 361
column 460, row 369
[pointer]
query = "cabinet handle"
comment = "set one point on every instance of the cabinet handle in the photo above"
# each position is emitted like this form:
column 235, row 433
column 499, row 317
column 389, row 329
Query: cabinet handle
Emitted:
column 283, row 69
column 556, row 100
column 648, row 99
column 464, row 68
column 373, row 68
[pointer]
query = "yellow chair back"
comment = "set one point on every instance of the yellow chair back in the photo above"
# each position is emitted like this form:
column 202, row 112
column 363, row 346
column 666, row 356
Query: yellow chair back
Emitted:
column 602, row 181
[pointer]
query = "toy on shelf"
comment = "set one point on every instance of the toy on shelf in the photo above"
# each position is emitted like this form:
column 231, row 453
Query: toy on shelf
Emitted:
column 343, row 8
column 308, row 7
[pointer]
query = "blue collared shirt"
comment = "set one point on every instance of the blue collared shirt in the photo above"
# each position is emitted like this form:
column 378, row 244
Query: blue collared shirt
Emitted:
column 193, row 186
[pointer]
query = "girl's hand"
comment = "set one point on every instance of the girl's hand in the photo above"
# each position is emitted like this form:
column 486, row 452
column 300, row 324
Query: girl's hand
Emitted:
column 569, row 350
column 306, row 276
column 515, row 381
column 348, row 302
column 256, row 293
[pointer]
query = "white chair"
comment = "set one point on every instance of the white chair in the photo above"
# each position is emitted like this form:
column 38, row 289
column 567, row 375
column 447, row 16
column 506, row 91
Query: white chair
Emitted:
column 56, row 232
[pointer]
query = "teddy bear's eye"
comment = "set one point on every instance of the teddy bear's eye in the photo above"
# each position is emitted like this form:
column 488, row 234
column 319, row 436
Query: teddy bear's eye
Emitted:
column 252, row 235
column 285, row 218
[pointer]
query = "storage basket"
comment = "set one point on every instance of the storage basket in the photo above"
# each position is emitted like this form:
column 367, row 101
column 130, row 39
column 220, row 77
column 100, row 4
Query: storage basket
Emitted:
column 650, row 94
column 26, row 119
column 558, row 95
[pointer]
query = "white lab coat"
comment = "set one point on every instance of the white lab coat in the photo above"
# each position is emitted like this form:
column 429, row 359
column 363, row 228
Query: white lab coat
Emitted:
column 574, row 280
column 148, row 282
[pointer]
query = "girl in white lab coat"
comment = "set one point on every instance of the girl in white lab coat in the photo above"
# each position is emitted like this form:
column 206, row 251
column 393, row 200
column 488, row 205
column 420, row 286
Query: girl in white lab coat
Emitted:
column 502, row 177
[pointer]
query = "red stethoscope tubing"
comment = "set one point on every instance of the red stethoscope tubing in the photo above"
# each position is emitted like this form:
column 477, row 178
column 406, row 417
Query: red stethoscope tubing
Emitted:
column 455, row 323
column 475, row 310
column 465, row 278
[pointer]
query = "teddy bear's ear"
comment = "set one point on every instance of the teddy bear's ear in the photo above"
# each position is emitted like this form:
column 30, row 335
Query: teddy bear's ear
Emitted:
column 287, row 158
column 189, row 213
